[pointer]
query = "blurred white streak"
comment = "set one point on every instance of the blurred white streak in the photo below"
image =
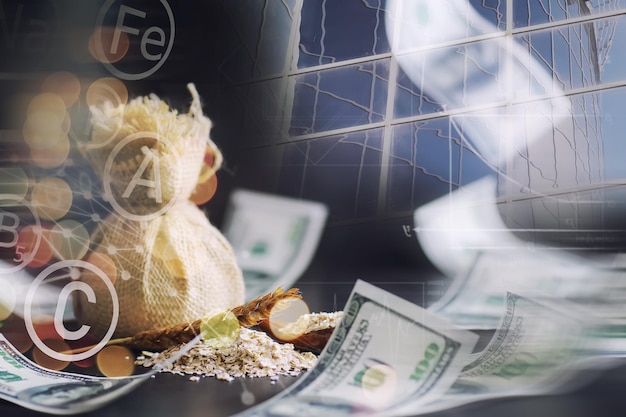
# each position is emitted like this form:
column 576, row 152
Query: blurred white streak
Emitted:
column 454, row 228
column 472, row 68
column 15, row 286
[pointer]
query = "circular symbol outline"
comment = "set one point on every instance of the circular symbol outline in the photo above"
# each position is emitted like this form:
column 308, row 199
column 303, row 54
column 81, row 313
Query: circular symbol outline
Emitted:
column 28, row 319
column 134, row 77
column 86, row 144
column 27, row 259
column 106, row 177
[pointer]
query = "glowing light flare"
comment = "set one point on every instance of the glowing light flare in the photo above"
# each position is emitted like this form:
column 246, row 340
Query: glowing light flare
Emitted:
column 52, row 157
column 14, row 181
column 209, row 157
column 379, row 383
column 43, row 324
column 115, row 361
column 51, row 198
column 164, row 250
column 285, row 319
column 64, row 84
column 205, row 191
column 43, row 129
column 46, row 361
column 107, row 89
column 247, row 398
column 103, row 262
column 220, row 330
column 208, row 165
column 101, row 44
column 47, row 103
column 69, row 240
column 206, row 186
column 34, row 244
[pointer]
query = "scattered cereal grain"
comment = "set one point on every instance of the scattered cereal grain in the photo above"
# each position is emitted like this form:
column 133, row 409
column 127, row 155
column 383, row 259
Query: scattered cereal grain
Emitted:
column 254, row 354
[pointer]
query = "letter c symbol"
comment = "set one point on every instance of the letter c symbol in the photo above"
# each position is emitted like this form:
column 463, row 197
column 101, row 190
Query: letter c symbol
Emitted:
column 63, row 299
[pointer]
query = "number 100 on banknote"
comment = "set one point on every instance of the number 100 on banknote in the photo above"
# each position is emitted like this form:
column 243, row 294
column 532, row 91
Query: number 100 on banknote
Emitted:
column 386, row 351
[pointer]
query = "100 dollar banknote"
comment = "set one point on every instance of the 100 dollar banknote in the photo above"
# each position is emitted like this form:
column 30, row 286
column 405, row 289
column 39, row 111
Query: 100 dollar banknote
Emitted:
column 386, row 351
column 476, row 298
column 31, row 386
column 537, row 349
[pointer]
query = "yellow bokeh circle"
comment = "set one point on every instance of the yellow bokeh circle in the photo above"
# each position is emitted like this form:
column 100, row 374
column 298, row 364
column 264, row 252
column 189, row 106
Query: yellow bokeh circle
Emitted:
column 51, row 198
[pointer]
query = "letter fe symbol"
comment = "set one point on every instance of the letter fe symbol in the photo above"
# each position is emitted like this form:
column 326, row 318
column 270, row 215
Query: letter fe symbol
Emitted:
column 153, row 41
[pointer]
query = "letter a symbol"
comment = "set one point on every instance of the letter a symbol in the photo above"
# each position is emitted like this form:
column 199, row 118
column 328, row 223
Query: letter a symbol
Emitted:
column 137, row 180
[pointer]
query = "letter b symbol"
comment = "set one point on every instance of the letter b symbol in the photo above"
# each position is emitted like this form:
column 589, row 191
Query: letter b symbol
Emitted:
column 8, row 223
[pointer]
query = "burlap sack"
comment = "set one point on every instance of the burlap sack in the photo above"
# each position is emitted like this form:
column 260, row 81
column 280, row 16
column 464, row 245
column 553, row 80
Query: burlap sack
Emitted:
column 168, row 264
column 123, row 136
column 169, row 270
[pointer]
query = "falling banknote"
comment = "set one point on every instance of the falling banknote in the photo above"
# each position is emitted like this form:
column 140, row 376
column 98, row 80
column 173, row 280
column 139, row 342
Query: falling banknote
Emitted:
column 537, row 349
column 31, row 386
column 385, row 352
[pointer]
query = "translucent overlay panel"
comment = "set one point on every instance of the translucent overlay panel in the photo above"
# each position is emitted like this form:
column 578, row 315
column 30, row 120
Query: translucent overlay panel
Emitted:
column 341, row 171
column 340, row 97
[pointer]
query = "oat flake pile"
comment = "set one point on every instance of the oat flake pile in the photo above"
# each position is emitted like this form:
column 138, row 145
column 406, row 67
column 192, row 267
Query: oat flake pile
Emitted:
column 254, row 354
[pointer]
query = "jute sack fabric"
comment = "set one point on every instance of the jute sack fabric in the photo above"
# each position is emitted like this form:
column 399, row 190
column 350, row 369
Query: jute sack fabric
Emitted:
column 173, row 269
column 123, row 136
column 165, row 269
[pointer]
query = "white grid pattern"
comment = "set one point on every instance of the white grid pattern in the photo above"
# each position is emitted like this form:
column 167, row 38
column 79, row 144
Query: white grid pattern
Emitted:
column 562, row 23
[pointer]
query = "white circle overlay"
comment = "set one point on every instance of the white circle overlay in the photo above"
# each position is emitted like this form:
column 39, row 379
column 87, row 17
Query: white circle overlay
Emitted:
column 107, row 177
column 28, row 319
column 26, row 260
column 138, row 76
column 87, row 144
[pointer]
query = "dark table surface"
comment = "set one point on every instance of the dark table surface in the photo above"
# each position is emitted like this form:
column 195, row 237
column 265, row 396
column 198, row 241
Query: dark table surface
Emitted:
column 174, row 395
column 601, row 393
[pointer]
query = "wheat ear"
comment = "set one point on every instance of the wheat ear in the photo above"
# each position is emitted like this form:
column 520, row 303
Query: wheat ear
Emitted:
column 249, row 315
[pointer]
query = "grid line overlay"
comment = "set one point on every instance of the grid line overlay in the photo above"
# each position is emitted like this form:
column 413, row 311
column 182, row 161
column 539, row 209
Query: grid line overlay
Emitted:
column 374, row 87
